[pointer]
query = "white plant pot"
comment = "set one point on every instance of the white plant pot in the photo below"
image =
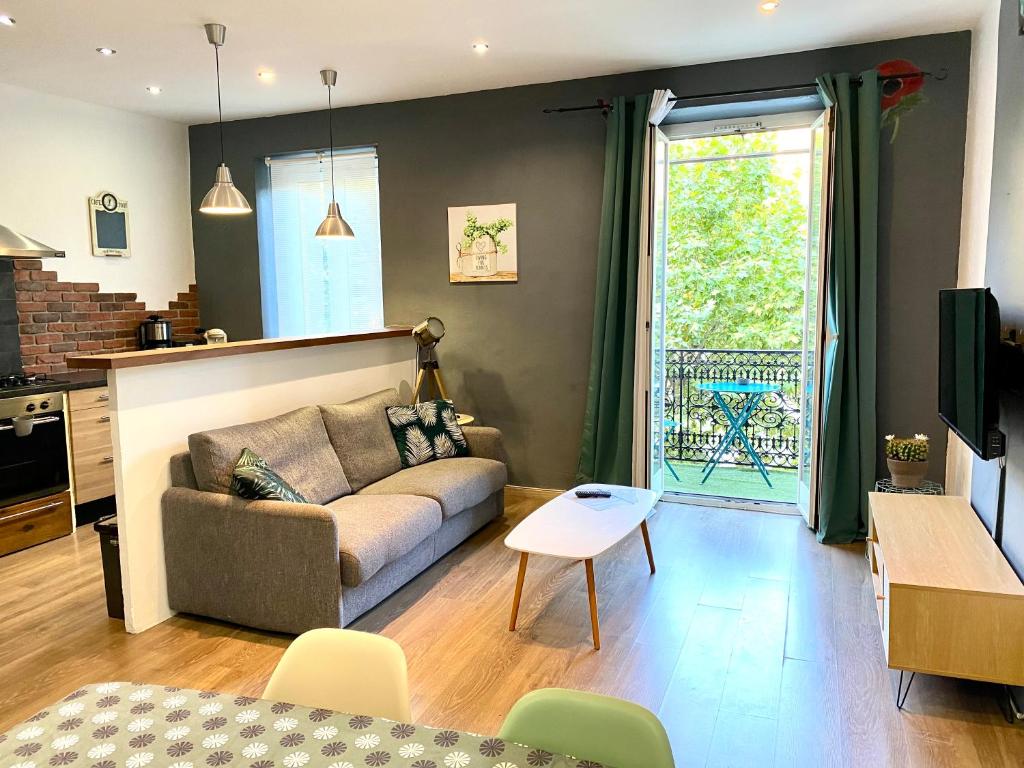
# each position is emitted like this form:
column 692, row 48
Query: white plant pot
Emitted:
column 480, row 259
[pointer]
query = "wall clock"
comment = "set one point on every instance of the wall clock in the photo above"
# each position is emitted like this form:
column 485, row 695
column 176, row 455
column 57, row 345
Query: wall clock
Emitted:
column 111, row 233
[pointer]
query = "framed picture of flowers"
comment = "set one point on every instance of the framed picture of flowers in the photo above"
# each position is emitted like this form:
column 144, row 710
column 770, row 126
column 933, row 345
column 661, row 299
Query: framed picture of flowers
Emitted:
column 482, row 244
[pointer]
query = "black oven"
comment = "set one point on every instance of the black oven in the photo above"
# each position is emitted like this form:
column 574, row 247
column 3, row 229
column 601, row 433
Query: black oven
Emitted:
column 33, row 447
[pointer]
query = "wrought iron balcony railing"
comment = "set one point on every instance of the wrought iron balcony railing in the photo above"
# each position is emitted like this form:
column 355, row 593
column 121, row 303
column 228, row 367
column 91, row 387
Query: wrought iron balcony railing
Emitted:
column 694, row 424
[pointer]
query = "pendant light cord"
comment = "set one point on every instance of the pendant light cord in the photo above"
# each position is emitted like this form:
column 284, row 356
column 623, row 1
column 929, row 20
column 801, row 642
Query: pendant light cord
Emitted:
column 220, row 110
column 330, row 138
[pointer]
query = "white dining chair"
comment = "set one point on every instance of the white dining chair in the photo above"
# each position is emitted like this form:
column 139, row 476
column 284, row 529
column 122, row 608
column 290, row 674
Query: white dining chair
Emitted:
column 346, row 671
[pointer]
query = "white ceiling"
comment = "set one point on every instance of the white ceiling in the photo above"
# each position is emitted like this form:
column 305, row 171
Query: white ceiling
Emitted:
column 398, row 49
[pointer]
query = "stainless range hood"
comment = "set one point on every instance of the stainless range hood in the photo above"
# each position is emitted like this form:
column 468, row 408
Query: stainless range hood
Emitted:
column 15, row 246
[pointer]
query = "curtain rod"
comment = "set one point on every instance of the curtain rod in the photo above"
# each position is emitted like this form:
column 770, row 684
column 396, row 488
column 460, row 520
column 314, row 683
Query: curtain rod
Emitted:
column 606, row 106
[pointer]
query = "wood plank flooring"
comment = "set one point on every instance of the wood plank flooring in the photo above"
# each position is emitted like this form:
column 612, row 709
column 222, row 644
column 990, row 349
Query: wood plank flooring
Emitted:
column 754, row 644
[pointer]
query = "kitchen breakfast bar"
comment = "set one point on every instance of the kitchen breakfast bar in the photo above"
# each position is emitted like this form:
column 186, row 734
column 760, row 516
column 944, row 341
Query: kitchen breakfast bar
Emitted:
column 159, row 397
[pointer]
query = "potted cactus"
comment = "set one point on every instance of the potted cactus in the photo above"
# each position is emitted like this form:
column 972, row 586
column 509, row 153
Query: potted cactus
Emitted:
column 907, row 458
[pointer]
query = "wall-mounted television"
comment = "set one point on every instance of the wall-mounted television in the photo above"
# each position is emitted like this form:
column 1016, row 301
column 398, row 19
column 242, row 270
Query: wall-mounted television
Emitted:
column 969, row 368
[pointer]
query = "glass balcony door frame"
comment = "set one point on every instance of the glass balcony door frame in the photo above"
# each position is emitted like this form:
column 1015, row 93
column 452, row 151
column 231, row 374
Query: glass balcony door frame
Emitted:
column 816, row 336
column 802, row 119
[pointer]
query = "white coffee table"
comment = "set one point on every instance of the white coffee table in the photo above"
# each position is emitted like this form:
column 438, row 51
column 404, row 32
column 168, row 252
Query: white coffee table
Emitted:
column 581, row 529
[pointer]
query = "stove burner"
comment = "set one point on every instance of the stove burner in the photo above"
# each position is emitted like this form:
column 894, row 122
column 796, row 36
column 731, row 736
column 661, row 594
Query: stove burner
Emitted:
column 22, row 380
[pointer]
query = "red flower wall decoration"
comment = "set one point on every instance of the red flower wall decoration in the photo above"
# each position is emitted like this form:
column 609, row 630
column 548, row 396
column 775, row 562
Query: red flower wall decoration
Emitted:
column 899, row 94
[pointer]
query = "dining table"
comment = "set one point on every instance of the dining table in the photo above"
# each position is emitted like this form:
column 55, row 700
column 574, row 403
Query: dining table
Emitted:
column 135, row 725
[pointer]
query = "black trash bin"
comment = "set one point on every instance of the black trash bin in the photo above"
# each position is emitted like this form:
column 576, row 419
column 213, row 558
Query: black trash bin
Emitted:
column 110, row 553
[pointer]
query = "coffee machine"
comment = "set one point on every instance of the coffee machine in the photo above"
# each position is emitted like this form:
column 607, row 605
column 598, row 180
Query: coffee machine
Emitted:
column 155, row 333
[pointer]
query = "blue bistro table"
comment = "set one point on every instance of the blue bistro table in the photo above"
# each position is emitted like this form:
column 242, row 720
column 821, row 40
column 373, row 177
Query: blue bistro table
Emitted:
column 753, row 393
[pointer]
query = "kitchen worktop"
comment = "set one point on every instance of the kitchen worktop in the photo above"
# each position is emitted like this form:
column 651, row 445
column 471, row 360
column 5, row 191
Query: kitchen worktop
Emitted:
column 148, row 357
column 79, row 379
column 61, row 382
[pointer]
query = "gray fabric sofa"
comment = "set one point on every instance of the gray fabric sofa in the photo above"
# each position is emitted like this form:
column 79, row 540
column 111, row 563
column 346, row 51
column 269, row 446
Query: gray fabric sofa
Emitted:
column 370, row 526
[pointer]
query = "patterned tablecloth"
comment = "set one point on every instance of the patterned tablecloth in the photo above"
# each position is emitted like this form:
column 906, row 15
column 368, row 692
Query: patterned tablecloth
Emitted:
column 132, row 725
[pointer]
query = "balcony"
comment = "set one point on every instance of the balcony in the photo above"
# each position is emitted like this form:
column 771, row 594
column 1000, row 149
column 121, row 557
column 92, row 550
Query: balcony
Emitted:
column 695, row 424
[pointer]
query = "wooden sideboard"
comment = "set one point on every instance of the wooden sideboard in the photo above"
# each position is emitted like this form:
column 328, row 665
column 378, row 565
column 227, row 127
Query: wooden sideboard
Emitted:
column 948, row 601
column 92, row 452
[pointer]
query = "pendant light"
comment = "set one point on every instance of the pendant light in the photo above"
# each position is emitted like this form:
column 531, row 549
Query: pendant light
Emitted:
column 222, row 198
column 333, row 227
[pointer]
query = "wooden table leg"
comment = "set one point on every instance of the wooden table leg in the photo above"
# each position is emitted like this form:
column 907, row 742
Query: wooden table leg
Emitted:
column 523, row 557
column 647, row 543
column 592, row 592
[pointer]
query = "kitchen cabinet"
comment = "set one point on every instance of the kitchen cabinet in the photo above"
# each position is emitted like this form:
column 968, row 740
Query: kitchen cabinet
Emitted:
column 92, row 453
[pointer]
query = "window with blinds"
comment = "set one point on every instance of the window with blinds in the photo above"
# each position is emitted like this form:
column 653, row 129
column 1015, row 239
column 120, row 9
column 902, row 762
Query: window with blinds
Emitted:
column 312, row 286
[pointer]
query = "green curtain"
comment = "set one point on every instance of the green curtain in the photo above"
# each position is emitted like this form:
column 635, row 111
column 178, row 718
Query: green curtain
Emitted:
column 607, row 443
column 849, row 437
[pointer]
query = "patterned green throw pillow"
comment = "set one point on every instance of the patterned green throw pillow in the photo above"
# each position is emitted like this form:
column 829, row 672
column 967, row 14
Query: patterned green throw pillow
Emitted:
column 253, row 479
column 427, row 431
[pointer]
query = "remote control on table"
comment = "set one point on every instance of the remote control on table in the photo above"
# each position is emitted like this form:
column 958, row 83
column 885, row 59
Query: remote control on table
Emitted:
column 594, row 493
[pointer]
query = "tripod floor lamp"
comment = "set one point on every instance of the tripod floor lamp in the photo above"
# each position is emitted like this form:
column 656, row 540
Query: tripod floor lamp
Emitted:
column 427, row 335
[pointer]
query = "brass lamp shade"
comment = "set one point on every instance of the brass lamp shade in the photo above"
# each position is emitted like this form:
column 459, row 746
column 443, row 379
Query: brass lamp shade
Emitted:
column 223, row 197
column 333, row 227
column 428, row 332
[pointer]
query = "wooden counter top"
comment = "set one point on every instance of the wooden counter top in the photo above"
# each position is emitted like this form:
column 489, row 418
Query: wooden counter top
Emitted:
column 202, row 352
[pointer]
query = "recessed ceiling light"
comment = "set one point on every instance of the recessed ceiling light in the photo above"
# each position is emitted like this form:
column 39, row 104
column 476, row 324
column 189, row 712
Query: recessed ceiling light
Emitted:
column 6, row 20
column 105, row 51
column 769, row 6
column 155, row 90
column 265, row 75
column 480, row 48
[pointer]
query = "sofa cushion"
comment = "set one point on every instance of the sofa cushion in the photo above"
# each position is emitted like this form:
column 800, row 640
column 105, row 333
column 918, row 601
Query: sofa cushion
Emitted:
column 295, row 444
column 252, row 478
column 456, row 484
column 426, row 431
column 361, row 436
column 377, row 530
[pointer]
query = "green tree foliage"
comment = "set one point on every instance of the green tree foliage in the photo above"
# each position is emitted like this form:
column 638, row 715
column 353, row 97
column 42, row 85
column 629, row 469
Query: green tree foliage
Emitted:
column 737, row 235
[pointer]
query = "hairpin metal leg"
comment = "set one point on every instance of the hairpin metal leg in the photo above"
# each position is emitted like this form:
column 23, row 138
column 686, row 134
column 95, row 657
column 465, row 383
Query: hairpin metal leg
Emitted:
column 901, row 694
column 1008, row 705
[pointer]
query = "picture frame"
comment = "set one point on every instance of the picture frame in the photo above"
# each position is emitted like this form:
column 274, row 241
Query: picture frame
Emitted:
column 110, row 225
column 482, row 244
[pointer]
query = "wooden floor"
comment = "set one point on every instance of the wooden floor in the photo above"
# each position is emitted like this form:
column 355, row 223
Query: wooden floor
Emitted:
column 754, row 644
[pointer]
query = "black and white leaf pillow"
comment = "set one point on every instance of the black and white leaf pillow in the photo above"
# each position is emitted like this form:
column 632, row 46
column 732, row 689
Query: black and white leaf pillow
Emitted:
column 403, row 415
column 444, row 448
column 253, row 479
column 427, row 431
column 428, row 413
column 417, row 447
column 454, row 430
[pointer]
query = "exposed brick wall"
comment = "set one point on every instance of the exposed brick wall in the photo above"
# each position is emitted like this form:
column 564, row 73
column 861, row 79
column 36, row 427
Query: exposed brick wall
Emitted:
column 58, row 320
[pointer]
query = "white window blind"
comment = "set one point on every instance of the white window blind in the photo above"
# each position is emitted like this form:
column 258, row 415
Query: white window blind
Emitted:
column 312, row 286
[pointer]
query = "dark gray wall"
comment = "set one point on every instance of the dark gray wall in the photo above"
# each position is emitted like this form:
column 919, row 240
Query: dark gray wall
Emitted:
column 1004, row 272
column 517, row 355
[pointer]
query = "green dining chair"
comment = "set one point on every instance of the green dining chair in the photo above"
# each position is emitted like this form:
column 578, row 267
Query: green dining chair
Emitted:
column 587, row 726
